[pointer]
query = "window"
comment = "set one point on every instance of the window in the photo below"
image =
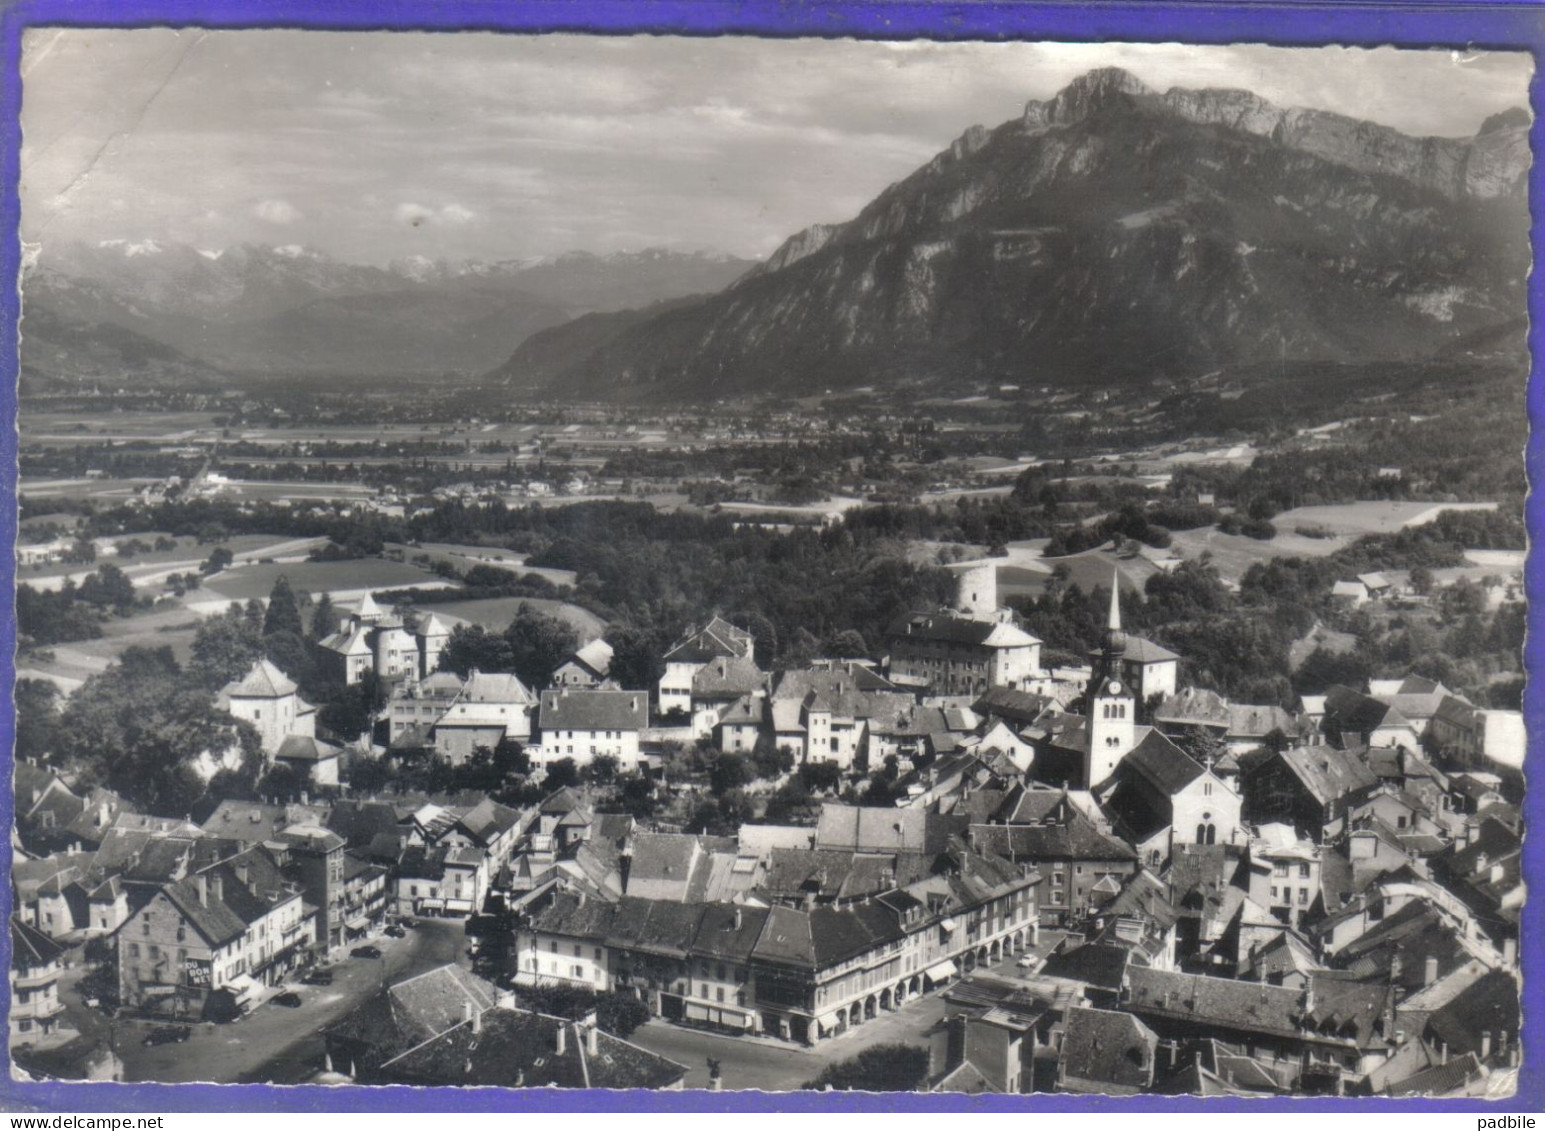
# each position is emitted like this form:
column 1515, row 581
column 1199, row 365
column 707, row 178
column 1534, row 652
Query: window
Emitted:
column 598, row 954
column 1274, row 893
column 1303, row 897
column 1303, row 871
column 1207, row 789
column 579, row 951
column 579, row 971
column 721, row 995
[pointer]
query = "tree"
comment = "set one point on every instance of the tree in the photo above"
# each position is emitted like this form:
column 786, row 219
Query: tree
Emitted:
column 538, row 644
column 560, row 774
column 820, row 776
column 727, row 772
column 109, row 586
column 281, row 784
column 283, row 614
column 224, row 648
column 473, row 646
column 37, row 719
column 1421, row 580
column 770, row 759
column 620, row 1013
column 219, row 558
column 139, row 726
column 848, row 644
column 603, row 769
column 879, row 1068
column 636, row 657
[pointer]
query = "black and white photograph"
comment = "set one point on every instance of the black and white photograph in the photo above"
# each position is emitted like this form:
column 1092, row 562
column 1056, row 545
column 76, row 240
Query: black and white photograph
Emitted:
column 770, row 564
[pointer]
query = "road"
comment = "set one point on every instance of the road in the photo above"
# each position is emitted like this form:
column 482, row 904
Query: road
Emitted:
column 272, row 1042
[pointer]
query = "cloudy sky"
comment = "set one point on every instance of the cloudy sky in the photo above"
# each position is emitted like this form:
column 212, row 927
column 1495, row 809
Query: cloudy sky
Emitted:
column 373, row 146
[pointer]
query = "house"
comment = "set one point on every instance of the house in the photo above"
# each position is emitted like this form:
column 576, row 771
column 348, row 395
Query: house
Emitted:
column 947, row 654
column 36, row 1011
column 1105, row 1053
column 1069, row 852
column 371, row 640
column 312, row 759
column 1284, row 872
column 1482, row 1019
column 719, row 639
column 402, row 1017
column 271, row 702
column 590, row 666
column 210, row 940
column 717, row 686
column 1324, row 1037
column 1353, row 593
column 506, row 1047
column 1308, row 787
column 489, row 708
column 1160, row 797
column 1354, row 719
column 441, row 880
column 987, row 1051
column 586, row 725
column 802, row 973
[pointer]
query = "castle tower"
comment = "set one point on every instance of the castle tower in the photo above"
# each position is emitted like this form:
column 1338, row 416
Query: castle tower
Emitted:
column 976, row 590
column 1112, row 705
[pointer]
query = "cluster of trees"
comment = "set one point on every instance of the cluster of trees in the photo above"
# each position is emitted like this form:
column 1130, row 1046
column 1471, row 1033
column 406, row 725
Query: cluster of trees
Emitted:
column 616, row 1012
column 139, row 728
column 532, row 646
column 73, row 612
column 879, row 1068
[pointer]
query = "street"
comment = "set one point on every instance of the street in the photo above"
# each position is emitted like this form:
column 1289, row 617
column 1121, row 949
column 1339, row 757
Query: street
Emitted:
column 271, row 1042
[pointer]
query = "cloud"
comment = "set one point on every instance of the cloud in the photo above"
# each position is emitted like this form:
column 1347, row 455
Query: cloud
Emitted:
column 418, row 215
column 276, row 211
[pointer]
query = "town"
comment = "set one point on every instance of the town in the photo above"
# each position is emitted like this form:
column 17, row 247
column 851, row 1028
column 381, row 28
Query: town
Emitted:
column 969, row 863
column 770, row 564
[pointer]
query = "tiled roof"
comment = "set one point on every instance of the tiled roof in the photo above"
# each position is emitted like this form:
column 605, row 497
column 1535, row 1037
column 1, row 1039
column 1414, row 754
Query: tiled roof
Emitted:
column 304, row 748
column 509, row 1048
column 264, row 681
column 950, row 629
column 1113, row 1051
column 594, row 710
column 1143, row 651
column 1194, row 706
column 726, row 676
column 1488, row 1005
column 1166, row 766
column 1075, row 839
column 1441, row 1079
column 413, row 1011
column 1327, row 773
column 30, row 947
column 1016, row 706
column 496, row 687
column 1343, row 1011
column 1095, row 964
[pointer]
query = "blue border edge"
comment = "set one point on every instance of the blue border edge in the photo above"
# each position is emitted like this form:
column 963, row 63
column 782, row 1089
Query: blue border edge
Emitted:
column 1516, row 25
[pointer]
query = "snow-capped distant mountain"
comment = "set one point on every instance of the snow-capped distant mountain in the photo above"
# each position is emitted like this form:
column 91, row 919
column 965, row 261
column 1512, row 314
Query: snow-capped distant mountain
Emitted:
column 294, row 309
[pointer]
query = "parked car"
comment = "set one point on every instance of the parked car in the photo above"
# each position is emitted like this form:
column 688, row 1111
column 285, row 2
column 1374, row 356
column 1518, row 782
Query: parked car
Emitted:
column 289, row 999
column 396, row 931
column 319, row 978
column 1027, row 961
column 168, row 1035
column 365, row 952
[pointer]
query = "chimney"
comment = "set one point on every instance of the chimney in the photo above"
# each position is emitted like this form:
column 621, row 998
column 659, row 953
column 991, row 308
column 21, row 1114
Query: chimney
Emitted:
column 562, row 1038
column 1430, row 972
column 1510, row 953
column 520, row 1077
column 202, row 883
column 737, row 918
column 467, row 1012
column 1485, row 1046
column 217, row 887
column 305, row 797
column 633, row 703
column 592, row 1040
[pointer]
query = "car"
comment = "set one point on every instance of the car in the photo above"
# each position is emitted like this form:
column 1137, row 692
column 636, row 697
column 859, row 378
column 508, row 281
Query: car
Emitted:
column 365, row 952
column 318, row 978
column 289, row 999
column 396, row 931
column 1027, row 961
column 168, row 1035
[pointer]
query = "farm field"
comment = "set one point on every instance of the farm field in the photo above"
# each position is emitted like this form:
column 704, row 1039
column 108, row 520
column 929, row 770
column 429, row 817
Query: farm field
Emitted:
column 1234, row 554
column 466, row 557
column 1371, row 516
column 343, row 580
column 497, row 612
column 170, row 624
column 154, row 567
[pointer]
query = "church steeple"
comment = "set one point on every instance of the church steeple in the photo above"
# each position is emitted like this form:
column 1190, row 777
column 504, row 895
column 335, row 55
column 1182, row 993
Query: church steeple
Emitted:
column 1115, row 639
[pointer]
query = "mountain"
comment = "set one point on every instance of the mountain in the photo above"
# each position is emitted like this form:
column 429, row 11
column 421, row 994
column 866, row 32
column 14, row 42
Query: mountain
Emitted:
column 293, row 310
column 1110, row 233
